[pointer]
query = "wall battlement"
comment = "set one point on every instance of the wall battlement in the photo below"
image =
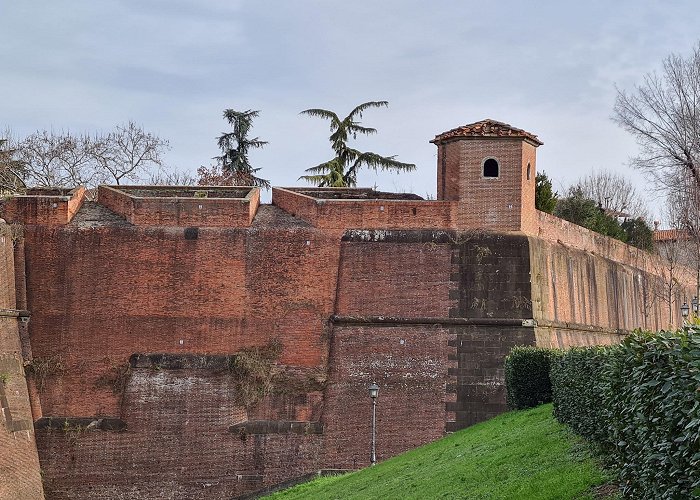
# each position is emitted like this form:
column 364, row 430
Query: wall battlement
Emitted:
column 52, row 207
column 334, row 208
column 196, row 206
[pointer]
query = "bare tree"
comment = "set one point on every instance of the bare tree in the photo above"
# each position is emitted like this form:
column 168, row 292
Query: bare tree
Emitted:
column 64, row 159
column 683, row 214
column 613, row 192
column 666, row 289
column 11, row 169
column 663, row 113
column 679, row 247
column 53, row 159
column 171, row 178
column 128, row 153
column 215, row 175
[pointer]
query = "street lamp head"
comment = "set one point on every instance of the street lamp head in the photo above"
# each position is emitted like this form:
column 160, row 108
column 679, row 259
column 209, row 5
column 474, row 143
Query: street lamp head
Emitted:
column 685, row 310
column 694, row 303
column 373, row 390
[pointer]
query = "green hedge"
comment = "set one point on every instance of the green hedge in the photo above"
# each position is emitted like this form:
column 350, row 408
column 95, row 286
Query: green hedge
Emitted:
column 578, row 391
column 653, row 404
column 527, row 377
column 641, row 401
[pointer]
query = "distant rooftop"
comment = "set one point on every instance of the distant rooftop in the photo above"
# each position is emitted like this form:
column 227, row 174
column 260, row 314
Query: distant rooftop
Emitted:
column 671, row 235
column 487, row 128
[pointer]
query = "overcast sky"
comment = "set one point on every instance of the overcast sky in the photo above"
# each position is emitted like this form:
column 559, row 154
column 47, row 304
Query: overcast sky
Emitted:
column 173, row 66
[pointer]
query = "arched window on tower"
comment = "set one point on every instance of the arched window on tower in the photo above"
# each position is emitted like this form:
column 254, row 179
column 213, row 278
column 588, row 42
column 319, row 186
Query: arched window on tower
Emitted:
column 491, row 167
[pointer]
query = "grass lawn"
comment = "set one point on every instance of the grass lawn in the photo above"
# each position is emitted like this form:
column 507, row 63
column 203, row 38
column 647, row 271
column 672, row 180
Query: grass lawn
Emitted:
column 518, row 455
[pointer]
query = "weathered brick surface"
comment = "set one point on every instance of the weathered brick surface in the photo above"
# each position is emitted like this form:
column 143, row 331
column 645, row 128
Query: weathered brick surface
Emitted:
column 410, row 364
column 44, row 206
column 528, row 213
column 177, row 443
column 19, row 462
column 500, row 203
column 366, row 214
column 181, row 211
column 100, row 294
column 425, row 298
column 583, row 279
column 479, row 375
column 492, row 276
column 407, row 280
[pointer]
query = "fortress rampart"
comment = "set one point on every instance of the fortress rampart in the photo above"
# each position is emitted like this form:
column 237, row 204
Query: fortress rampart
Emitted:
column 197, row 344
column 19, row 461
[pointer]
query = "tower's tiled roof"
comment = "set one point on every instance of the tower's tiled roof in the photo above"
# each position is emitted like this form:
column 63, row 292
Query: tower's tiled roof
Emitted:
column 487, row 128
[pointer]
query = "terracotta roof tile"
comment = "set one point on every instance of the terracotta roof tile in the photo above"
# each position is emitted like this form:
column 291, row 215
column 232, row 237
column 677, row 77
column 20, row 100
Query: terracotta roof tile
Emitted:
column 487, row 128
column 671, row 235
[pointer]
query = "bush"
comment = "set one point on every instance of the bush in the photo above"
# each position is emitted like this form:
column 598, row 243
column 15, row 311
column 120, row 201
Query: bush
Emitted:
column 641, row 401
column 653, row 404
column 527, row 377
column 578, row 389
column 585, row 212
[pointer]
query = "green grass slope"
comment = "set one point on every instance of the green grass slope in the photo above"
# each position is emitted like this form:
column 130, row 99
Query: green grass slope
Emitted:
column 519, row 455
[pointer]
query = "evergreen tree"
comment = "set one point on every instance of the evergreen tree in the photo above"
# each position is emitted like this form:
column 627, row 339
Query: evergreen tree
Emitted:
column 639, row 234
column 545, row 197
column 341, row 171
column 235, row 146
column 583, row 211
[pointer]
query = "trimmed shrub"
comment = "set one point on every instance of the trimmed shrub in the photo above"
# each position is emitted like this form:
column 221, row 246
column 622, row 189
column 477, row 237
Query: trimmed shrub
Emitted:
column 641, row 402
column 653, row 406
column 527, row 377
column 578, row 389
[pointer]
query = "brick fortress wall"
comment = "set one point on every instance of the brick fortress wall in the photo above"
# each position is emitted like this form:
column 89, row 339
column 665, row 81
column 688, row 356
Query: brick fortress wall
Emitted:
column 157, row 321
column 591, row 289
column 19, row 461
column 104, row 290
column 446, row 306
column 433, row 335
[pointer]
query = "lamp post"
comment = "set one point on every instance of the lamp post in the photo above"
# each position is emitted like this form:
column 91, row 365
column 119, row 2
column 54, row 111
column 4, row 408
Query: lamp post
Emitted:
column 685, row 310
column 373, row 393
column 694, row 304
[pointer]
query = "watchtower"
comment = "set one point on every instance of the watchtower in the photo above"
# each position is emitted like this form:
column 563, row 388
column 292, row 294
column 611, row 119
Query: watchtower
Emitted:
column 488, row 167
